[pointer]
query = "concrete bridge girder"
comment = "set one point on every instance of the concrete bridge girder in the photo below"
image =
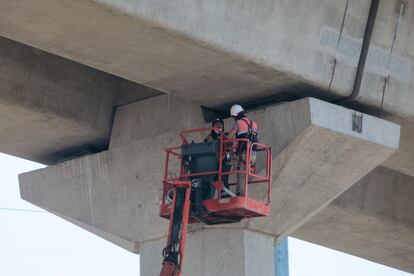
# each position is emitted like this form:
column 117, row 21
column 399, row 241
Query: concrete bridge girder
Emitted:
column 387, row 81
column 191, row 48
column 374, row 220
column 118, row 191
column 402, row 161
column 51, row 107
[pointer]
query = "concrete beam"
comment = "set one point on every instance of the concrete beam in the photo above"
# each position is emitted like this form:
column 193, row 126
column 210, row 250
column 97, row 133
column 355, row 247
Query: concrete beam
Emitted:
column 117, row 240
column 51, row 107
column 118, row 191
column 403, row 160
column 373, row 220
column 191, row 48
column 387, row 80
column 214, row 52
column 317, row 157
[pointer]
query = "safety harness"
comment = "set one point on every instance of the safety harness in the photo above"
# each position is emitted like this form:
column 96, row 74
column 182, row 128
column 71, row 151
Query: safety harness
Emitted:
column 252, row 134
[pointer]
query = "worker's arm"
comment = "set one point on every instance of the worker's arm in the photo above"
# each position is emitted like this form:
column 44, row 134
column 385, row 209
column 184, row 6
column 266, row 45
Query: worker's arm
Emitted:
column 233, row 131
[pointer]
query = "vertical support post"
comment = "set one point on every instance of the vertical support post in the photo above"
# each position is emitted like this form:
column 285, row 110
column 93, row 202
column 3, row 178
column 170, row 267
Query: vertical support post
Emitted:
column 282, row 258
column 229, row 252
column 220, row 174
column 247, row 169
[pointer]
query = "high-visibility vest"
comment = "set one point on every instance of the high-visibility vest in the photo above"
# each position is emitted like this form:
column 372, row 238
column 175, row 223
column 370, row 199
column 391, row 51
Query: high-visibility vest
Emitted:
column 246, row 126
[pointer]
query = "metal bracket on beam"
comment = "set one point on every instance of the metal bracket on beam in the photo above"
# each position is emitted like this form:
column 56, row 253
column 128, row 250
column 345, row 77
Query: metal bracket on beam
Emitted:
column 357, row 122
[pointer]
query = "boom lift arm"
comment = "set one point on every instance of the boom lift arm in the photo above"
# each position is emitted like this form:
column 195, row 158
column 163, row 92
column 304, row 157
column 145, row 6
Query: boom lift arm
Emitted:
column 173, row 253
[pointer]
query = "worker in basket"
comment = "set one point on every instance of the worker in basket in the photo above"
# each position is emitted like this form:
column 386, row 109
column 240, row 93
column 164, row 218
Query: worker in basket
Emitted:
column 226, row 167
column 214, row 135
column 243, row 128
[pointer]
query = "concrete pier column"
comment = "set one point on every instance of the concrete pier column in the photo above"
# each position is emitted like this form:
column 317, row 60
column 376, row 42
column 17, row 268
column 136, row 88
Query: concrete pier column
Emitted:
column 217, row 252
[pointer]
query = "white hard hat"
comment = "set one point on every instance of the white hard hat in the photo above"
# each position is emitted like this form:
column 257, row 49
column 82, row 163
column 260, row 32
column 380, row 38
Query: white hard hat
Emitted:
column 236, row 109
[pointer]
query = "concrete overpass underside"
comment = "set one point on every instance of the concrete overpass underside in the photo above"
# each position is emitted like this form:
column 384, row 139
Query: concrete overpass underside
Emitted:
column 80, row 80
column 317, row 157
column 372, row 220
column 219, row 52
column 54, row 109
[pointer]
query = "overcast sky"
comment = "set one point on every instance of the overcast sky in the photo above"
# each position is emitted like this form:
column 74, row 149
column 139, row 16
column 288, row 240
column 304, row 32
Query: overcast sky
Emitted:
column 36, row 243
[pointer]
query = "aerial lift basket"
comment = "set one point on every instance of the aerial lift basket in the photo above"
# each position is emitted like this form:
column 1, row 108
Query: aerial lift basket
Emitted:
column 200, row 183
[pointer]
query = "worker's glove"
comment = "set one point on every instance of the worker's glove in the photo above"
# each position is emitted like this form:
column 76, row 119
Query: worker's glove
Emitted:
column 227, row 156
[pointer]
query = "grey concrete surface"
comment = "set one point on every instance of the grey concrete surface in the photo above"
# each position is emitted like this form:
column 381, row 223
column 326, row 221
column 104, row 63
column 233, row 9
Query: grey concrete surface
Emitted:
column 117, row 240
column 403, row 160
column 221, row 252
column 317, row 156
column 205, row 52
column 201, row 50
column 118, row 191
column 154, row 117
column 51, row 107
column 388, row 78
column 373, row 220
column 213, row 53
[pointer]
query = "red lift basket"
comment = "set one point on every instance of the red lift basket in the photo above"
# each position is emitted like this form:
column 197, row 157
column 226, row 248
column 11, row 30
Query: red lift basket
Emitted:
column 243, row 206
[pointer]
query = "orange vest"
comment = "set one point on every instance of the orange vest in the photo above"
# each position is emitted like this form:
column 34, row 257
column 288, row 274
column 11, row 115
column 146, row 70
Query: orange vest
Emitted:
column 244, row 124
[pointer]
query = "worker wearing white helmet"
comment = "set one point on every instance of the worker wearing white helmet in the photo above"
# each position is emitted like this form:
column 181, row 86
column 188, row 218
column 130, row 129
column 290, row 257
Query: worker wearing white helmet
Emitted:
column 243, row 128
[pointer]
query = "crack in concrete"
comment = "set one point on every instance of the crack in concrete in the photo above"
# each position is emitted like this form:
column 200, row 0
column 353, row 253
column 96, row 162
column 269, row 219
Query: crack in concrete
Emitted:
column 338, row 43
column 386, row 78
column 90, row 190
